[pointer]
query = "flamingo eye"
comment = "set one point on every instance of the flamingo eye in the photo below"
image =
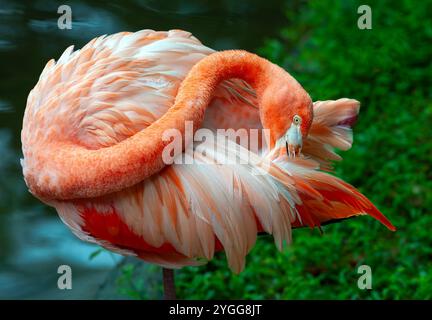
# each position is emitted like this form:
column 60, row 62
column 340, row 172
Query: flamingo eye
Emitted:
column 297, row 119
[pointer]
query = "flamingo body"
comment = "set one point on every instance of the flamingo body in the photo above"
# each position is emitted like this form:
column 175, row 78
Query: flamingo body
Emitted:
column 92, row 142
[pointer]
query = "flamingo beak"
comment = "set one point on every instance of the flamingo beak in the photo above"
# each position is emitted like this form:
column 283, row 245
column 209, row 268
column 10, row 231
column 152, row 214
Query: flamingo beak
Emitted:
column 294, row 140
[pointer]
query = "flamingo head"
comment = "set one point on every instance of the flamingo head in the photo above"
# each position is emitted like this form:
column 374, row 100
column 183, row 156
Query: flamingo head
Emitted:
column 288, row 113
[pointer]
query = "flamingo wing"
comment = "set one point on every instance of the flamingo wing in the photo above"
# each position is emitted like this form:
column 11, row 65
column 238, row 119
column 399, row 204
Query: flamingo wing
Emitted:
column 188, row 211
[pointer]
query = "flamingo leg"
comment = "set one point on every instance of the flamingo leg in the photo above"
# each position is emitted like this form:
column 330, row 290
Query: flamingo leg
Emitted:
column 168, row 283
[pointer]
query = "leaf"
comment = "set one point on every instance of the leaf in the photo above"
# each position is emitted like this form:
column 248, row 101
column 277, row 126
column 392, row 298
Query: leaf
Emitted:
column 95, row 253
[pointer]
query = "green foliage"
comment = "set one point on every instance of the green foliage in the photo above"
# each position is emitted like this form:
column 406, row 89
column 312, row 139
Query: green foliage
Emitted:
column 128, row 285
column 388, row 69
column 138, row 281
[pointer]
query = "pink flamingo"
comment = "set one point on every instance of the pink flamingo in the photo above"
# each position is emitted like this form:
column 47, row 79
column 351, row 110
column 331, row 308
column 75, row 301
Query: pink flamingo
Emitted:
column 92, row 144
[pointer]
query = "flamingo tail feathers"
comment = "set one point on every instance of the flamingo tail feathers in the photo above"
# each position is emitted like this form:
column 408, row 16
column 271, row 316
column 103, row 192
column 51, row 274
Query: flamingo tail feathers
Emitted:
column 333, row 199
column 330, row 130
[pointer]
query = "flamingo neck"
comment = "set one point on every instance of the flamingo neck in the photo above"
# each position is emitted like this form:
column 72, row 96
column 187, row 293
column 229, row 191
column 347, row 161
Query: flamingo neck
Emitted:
column 196, row 91
column 205, row 76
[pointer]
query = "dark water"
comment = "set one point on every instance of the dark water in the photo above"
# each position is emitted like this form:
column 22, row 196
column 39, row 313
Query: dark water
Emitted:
column 33, row 241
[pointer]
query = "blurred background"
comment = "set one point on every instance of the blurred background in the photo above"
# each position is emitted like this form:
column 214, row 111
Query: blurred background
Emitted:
column 387, row 68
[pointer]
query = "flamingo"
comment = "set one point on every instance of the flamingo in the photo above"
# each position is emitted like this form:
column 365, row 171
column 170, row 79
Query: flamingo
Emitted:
column 92, row 149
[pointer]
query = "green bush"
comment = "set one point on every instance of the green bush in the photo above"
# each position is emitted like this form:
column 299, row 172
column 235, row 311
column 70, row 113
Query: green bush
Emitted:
column 388, row 69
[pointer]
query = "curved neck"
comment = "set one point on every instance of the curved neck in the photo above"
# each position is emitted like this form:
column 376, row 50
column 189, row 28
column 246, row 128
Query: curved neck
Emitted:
column 204, row 77
column 197, row 89
column 83, row 173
